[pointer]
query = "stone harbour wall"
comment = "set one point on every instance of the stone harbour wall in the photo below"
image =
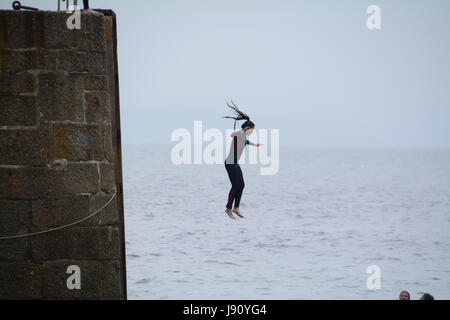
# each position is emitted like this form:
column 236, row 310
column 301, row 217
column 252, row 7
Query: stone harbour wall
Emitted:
column 59, row 158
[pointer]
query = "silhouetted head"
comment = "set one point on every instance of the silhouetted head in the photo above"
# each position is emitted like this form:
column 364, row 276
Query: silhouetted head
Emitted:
column 404, row 295
column 427, row 296
column 248, row 125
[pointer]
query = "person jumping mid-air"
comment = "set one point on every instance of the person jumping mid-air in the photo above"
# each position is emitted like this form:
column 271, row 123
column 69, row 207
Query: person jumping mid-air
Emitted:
column 231, row 162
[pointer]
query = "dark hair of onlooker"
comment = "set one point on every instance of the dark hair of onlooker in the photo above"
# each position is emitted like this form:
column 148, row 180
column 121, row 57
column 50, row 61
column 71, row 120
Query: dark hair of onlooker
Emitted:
column 427, row 296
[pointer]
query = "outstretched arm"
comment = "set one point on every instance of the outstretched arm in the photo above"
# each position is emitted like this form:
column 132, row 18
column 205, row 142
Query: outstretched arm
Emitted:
column 253, row 144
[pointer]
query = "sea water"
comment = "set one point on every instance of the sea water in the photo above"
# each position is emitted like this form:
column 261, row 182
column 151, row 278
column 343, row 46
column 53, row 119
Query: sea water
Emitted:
column 309, row 232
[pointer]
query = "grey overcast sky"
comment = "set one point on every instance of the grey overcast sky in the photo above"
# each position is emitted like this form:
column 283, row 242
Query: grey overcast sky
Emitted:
column 311, row 69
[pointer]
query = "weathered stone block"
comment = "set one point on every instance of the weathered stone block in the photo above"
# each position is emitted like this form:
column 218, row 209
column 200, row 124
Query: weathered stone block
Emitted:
column 22, row 29
column 108, row 142
column 20, row 280
column 77, row 243
column 47, row 29
column 31, row 183
column 27, row 60
column 78, row 207
column 16, row 82
column 78, row 142
column 63, row 211
column 75, row 208
column 108, row 215
column 98, row 280
column 14, row 220
column 45, row 214
column 17, row 110
column 79, row 62
column 98, row 108
column 93, row 82
column 51, row 245
column 107, row 180
column 82, row 178
column 55, row 280
column 112, row 280
column 14, row 250
column 99, row 243
column 24, row 147
column 61, row 96
column 90, row 38
column 108, row 29
column 15, row 217
column 93, row 39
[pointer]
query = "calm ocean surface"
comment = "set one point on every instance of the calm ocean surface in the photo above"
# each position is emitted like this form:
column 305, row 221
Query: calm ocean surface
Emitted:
column 309, row 232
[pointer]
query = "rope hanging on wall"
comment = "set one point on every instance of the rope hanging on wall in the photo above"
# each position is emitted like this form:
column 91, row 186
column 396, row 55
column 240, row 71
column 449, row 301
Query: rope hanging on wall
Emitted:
column 61, row 227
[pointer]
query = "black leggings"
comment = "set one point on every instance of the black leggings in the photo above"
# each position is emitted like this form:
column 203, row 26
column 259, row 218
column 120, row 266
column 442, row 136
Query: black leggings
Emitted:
column 237, row 184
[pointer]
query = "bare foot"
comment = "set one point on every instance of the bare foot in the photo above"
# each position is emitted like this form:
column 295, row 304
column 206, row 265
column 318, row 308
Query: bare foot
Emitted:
column 230, row 214
column 92, row 12
column 236, row 210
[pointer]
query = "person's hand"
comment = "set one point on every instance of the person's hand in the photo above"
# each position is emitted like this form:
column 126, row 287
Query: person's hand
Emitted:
column 259, row 144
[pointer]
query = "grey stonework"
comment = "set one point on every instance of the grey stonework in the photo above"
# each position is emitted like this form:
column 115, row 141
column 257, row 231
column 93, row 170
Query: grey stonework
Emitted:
column 58, row 157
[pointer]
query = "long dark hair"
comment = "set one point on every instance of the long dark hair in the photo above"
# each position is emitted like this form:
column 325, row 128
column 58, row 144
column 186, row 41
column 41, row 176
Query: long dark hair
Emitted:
column 409, row 296
column 239, row 115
